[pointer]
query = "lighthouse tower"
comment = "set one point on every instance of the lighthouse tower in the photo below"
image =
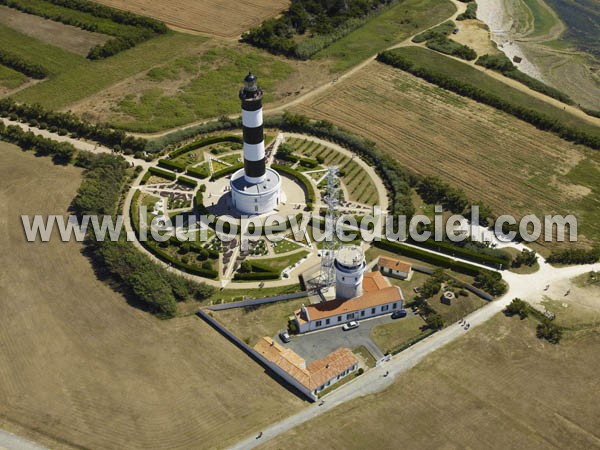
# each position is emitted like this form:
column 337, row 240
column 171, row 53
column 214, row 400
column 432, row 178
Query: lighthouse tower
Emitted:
column 254, row 189
column 349, row 269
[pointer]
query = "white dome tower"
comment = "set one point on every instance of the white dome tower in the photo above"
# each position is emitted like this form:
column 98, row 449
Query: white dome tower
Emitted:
column 349, row 269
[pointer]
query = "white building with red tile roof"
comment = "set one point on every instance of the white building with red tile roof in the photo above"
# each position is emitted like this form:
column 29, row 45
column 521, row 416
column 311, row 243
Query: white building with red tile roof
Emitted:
column 394, row 267
column 315, row 376
column 379, row 298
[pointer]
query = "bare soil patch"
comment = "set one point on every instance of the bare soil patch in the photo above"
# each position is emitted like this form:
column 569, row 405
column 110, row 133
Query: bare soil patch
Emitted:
column 67, row 37
column 85, row 369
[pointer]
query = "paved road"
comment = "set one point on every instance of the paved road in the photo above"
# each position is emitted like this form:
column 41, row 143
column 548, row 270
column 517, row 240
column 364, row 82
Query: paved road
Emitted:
column 523, row 286
column 9, row 441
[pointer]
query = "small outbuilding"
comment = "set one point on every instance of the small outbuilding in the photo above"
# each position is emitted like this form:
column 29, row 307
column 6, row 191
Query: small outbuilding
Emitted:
column 394, row 268
column 448, row 297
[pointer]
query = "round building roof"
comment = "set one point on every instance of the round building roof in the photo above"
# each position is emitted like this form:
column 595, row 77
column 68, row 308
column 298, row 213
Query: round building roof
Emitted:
column 350, row 256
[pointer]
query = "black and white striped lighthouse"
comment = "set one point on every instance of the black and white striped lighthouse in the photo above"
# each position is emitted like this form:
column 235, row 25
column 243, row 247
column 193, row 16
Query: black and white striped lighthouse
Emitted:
column 254, row 189
column 252, row 121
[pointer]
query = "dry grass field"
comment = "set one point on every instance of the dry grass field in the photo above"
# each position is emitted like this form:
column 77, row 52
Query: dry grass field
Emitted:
column 496, row 158
column 224, row 18
column 82, row 368
column 499, row 387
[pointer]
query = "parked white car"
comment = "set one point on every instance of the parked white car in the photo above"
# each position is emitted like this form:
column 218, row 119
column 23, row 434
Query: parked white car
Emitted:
column 350, row 325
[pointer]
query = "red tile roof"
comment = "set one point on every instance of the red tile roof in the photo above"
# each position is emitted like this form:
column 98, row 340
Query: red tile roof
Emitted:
column 374, row 281
column 394, row 264
column 317, row 373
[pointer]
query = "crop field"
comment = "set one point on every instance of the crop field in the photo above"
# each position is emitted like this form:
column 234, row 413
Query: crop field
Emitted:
column 394, row 25
column 497, row 387
column 496, row 158
column 66, row 37
column 358, row 183
column 83, row 368
column 223, row 18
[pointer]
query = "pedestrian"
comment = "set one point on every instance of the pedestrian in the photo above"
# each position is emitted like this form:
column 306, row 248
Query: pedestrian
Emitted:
column 259, row 435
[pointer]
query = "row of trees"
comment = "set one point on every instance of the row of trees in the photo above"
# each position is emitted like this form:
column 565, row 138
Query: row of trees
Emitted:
column 466, row 89
column 501, row 63
column 575, row 256
column 470, row 12
column 133, row 29
column 450, row 47
column 16, row 62
column 61, row 152
column 317, row 17
column 147, row 283
column 38, row 116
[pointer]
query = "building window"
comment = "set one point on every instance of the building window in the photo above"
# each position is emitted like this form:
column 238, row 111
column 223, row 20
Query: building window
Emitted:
column 256, row 209
column 318, row 323
column 385, row 307
column 362, row 313
column 327, row 321
column 395, row 305
column 372, row 310
column 349, row 316
column 339, row 318
column 343, row 278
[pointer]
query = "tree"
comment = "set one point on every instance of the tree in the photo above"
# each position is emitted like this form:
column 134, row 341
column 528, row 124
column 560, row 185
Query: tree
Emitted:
column 434, row 321
column 549, row 331
column 517, row 306
column 245, row 267
column 490, row 282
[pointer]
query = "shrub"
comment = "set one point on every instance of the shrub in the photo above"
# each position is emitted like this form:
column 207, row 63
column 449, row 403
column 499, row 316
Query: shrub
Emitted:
column 470, row 13
column 549, row 331
column 517, row 306
column 172, row 165
column 574, row 256
column 226, row 171
column 16, row 62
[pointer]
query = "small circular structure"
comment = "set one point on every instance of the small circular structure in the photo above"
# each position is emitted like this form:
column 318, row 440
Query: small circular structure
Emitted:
column 448, row 297
column 349, row 269
column 255, row 198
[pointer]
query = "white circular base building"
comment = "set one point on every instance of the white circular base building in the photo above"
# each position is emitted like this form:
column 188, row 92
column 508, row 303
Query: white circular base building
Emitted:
column 349, row 266
column 255, row 198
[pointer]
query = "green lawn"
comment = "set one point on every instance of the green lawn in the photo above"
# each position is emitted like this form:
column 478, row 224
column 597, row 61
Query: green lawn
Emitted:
column 401, row 21
column 11, row 79
column 436, row 62
column 281, row 262
column 217, row 71
column 253, row 322
column 392, row 335
column 285, row 246
column 366, row 356
column 460, row 307
column 76, row 78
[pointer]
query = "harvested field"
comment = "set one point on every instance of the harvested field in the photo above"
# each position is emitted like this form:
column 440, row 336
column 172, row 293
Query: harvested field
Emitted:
column 224, row 18
column 67, row 37
column 496, row 158
column 498, row 387
column 82, row 368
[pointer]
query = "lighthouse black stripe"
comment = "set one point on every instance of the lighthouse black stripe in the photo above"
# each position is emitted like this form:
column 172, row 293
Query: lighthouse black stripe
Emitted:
column 253, row 135
column 254, row 169
column 251, row 105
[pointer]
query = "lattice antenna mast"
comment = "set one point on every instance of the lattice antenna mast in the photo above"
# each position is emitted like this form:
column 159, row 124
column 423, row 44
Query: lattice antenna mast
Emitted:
column 330, row 245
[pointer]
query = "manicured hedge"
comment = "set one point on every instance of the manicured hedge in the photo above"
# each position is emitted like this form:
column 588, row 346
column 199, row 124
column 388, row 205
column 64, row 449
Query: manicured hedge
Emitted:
column 431, row 258
column 188, row 181
column 188, row 268
column 308, row 187
column 172, row 165
column 162, row 173
column 256, row 276
column 203, row 143
column 465, row 253
column 197, row 172
column 226, row 171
